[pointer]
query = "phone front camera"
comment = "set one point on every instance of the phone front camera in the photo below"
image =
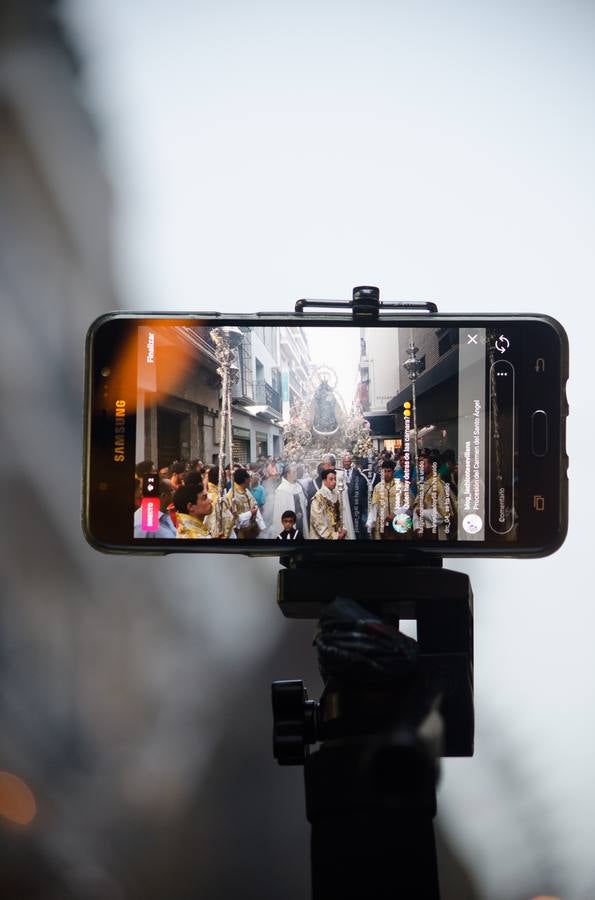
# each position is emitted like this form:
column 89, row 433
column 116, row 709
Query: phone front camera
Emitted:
column 106, row 371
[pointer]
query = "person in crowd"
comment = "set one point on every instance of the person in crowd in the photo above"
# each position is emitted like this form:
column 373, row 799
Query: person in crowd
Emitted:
column 272, row 476
column 192, row 505
column 145, row 467
column 290, row 495
column 228, row 477
column 382, row 457
column 289, row 531
column 178, row 470
column 212, row 482
column 329, row 461
column 272, row 472
column 166, row 528
column 356, row 488
column 433, row 512
column 309, row 486
column 194, row 476
column 325, row 512
column 271, row 481
column 388, row 499
column 220, row 521
column 257, row 490
column 401, row 470
column 248, row 519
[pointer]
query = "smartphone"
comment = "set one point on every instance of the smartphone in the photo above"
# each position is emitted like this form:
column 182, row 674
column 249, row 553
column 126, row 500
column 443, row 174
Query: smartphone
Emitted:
column 286, row 433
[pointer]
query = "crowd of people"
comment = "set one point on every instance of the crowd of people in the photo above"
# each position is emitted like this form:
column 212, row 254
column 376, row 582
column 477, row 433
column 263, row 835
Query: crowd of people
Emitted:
column 386, row 497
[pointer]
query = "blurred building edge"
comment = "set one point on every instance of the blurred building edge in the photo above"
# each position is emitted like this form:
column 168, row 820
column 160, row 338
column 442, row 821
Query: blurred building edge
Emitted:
column 113, row 679
column 55, row 223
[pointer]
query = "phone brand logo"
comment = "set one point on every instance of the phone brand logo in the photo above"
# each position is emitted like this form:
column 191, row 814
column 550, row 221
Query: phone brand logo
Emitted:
column 120, row 432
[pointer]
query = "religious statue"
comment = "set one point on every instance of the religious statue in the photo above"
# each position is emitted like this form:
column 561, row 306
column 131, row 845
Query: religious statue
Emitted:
column 325, row 409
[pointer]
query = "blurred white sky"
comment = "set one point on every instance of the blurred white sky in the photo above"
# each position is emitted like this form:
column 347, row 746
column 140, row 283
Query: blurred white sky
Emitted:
column 265, row 151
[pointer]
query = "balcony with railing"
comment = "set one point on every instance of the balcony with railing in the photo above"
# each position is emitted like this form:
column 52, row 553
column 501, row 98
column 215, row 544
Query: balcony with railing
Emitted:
column 198, row 337
column 265, row 395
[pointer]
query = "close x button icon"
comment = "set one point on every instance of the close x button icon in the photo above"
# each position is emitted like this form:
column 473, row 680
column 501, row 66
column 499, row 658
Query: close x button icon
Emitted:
column 472, row 339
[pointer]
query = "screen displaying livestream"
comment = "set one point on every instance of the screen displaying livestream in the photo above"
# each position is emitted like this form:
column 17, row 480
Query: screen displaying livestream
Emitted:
column 310, row 433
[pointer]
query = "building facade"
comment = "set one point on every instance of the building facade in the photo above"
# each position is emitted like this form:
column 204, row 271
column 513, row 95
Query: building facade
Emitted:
column 179, row 390
column 436, row 385
column 295, row 366
column 257, row 408
column 379, row 378
column 178, row 396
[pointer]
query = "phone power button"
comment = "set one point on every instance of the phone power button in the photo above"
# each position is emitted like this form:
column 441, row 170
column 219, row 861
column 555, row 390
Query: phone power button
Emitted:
column 539, row 432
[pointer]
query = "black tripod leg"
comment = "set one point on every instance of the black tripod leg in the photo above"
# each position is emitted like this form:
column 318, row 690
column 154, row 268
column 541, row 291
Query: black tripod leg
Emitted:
column 355, row 858
column 372, row 824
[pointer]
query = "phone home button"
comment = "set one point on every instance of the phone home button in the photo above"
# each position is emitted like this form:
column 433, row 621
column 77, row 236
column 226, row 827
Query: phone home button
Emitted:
column 539, row 433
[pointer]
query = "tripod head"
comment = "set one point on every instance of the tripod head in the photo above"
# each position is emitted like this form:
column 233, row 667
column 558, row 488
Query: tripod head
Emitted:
column 438, row 599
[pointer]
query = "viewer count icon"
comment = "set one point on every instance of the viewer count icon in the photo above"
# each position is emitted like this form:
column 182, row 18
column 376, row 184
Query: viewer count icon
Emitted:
column 149, row 485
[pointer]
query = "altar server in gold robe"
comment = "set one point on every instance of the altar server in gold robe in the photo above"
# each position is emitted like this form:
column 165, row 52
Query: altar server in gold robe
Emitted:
column 325, row 511
column 389, row 500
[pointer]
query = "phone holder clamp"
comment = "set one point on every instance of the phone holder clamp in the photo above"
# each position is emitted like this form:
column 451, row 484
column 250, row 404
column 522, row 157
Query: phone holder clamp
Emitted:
column 365, row 304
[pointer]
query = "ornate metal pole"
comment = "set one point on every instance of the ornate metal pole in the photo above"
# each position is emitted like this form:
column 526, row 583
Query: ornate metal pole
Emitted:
column 340, row 490
column 226, row 340
column 412, row 366
column 370, row 475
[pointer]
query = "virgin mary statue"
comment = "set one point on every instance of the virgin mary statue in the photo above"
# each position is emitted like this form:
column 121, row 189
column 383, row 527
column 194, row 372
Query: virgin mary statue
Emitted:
column 325, row 409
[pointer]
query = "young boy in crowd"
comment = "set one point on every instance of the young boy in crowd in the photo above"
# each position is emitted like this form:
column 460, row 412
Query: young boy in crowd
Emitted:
column 290, row 532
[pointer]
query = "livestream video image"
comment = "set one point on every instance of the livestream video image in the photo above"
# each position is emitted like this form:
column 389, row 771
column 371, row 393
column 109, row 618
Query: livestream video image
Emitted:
column 307, row 433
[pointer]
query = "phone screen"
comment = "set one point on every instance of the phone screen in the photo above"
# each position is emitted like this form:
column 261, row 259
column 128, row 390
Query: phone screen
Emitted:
column 293, row 434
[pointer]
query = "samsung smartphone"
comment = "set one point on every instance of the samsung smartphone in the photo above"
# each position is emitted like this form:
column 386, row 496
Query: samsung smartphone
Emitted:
column 436, row 433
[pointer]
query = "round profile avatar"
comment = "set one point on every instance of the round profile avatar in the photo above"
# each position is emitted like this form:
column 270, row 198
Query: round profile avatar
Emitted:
column 472, row 523
column 402, row 523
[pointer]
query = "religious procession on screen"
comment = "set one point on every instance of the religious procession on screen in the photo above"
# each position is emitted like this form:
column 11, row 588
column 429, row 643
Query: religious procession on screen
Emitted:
column 329, row 482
